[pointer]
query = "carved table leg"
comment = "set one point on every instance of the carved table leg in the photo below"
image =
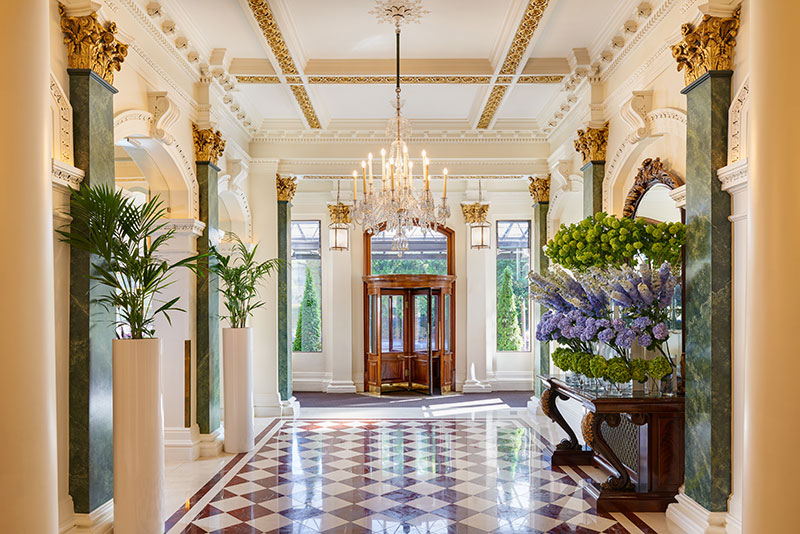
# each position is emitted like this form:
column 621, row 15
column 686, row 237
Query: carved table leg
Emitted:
column 569, row 450
column 590, row 426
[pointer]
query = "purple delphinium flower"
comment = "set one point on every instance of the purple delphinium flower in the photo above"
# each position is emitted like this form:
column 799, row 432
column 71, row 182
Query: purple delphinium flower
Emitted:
column 607, row 335
column 661, row 331
column 645, row 340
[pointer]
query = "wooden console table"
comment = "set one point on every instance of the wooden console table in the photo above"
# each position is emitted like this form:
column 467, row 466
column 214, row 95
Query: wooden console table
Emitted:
column 661, row 445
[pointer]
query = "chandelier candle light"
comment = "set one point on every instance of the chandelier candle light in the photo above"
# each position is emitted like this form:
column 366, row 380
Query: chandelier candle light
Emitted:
column 397, row 204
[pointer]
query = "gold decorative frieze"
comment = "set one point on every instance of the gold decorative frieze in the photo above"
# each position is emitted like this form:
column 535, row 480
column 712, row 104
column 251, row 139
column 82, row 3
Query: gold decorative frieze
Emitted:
column 530, row 21
column 540, row 189
column 92, row 46
column 540, row 79
column 340, row 213
column 708, row 47
column 301, row 95
column 286, row 187
column 208, row 144
column 495, row 97
column 269, row 27
column 297, row 80
column 257, row 79
column 591, row 143
column 475, row 213
column 651, row 172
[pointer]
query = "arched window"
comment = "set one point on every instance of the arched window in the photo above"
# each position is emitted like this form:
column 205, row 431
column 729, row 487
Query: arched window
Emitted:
column 428, row 253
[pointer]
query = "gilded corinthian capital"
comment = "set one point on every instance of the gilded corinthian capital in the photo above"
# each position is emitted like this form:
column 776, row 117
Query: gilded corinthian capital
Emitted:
column 208, row 144
column 340, row 213
column 474, row 213
column 91, row 46
column 591, row 143
column 286, row 188
column 540, row 189
column 708, row 47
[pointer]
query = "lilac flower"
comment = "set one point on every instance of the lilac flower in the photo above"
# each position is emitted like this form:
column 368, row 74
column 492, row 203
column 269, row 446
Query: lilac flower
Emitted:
column 645, row 340
column 661, row 331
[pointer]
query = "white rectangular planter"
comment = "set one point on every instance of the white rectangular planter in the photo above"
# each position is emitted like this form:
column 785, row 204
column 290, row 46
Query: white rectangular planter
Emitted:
column 237, row 368
column 138, row 437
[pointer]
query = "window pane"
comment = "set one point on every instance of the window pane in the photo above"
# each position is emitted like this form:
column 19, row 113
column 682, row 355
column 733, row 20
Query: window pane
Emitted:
column 426, row 254
column 306, row 286
column 513, row 302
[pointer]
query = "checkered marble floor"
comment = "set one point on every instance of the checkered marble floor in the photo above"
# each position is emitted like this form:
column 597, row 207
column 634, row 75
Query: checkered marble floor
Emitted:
column 394, row 476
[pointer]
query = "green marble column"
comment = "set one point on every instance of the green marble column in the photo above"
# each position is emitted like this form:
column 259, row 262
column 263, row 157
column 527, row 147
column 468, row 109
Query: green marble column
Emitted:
column 593, row 174
column 285, row 300
column 540, row 264
column 91, row 329
column 207, row 350
column 707, row 311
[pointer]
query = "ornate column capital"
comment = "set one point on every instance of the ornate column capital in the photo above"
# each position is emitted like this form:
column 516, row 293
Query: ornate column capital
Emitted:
column 591, row 143
column 340, row 213
column 708, row 47
column 286, row 188
column 475, row 213
column 208, row 144
column 540, row 189
column 92, row 46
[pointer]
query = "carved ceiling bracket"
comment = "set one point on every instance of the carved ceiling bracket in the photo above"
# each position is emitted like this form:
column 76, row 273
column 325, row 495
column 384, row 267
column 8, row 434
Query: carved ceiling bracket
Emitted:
column 709, row 47
column 91, row 46
column 286, row 187
column 208, row 144
column 591, row 143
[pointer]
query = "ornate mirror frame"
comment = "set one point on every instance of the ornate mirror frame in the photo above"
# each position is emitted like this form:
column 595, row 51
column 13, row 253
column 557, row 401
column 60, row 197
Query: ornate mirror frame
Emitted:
column 652, row 172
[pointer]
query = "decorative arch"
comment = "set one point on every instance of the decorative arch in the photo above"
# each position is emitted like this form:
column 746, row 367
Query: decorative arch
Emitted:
column 61, row 123
column 449, row 233
column 665, row 127
column 738, row 124
column 235, row 202
column 651, row 172
column 161, row 159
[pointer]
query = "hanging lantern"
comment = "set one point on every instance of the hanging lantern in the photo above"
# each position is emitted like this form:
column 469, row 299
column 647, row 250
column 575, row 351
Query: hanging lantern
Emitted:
column 479, row 235
column 339, row 229
column 475, row 217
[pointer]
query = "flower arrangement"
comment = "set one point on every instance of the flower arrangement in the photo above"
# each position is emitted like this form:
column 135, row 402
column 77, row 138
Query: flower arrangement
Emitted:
column 605, row 240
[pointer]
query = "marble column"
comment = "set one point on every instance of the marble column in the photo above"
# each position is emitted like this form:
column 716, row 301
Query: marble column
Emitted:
column 208, row 146
column 591, row 143
column 93, row 53
column 27, row 384
column 341, row 321
column 286, row 188
column 540, row 192
column 773, row 287
column 707, row 310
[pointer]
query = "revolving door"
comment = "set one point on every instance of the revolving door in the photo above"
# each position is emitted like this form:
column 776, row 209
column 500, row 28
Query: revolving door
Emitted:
column 409, row 333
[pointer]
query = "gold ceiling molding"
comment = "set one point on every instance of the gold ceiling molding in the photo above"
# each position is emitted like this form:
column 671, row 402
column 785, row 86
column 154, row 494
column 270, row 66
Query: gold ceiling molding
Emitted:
column 340, row 213
column 540, row 79
column 591, row 143
column 474, row 213
column 269, row 27
column 540, row 189
column 420, row 79
column 92, row 46
column 301, row 95
column 257, row 79
column 708, row 47
column 286, row 188
column 530, row 21
column 496, row 96
column 432, row 177
column 208, row 144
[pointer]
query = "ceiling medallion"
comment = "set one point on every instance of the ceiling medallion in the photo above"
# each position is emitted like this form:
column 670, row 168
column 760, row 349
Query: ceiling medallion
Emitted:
column 396, row 203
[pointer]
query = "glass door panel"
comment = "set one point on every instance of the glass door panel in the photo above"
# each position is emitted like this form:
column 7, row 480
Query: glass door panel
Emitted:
column 447, row 323
column 398, row 340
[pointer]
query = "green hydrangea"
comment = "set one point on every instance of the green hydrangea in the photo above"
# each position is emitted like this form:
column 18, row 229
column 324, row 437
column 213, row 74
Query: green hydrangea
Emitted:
column 618, row 371
column 582, row 364
column 560, row 358
column 598, row 366
column 659, row 368
column 639, row 370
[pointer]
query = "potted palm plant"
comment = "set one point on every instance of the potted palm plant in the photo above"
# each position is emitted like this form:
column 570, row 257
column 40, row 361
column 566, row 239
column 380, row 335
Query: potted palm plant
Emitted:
column 239, row 274
column 123, row 239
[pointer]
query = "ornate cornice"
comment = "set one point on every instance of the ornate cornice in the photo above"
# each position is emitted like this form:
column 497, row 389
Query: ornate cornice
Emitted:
column 650, row 173
column 340, row 213
column 417, row 79
column 301, row 95
column 475, row 213
column 708, row 47
column 184, row 226
column 734, row 176
column 679, row 196
column 65, row 175
column 286, row 187
column 540, row 189
column 208, row 144
column 591, row 143
column 92, row 46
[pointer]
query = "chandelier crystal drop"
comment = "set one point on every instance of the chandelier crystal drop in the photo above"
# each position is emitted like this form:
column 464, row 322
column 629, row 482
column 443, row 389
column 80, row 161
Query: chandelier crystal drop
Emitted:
column 395, row 202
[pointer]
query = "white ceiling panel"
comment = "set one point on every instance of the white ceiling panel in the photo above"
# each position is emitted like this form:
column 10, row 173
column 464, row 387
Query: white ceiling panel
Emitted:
column 225, row 24
column 272, row 101
column 526, row 101
column 571, row 24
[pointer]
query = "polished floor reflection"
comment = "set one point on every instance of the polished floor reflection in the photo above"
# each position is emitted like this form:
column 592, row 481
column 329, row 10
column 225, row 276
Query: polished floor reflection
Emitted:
column 395, row 476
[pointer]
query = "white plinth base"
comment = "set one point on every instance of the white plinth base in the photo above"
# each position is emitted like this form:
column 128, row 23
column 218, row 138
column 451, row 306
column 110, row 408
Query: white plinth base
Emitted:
column 290, row 408
column 476, row 386
column 340, row 386
column 267, row 405
column 237, row 360
column 181, row 444
column 695, row 519
column 535, row 406
column 98, row 521
column 211, row 444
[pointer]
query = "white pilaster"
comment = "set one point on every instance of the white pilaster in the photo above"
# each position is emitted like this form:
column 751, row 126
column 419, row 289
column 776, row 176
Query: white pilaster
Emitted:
column 477, row 347
column 341, row 323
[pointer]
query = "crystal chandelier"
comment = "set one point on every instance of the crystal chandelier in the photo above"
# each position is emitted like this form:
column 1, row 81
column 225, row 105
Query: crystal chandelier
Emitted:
column 396, row 203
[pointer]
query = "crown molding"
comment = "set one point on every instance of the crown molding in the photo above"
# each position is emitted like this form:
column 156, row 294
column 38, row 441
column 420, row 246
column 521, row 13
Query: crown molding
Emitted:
column 460, row 137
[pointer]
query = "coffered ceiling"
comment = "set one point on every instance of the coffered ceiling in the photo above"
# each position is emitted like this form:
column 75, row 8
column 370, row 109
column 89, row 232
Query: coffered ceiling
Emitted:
column 295, row 65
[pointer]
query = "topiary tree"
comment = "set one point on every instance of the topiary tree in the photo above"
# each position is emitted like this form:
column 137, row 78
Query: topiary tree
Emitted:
column 308, row 322
column 509, row 336
column 297, row 345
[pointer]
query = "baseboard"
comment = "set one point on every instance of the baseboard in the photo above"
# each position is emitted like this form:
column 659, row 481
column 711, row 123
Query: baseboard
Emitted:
column 66, row 515
column 693, row 518
column 511, row 381
column 308, row 381
column 181, row 444
column 211, row 444
column 98, row 521
column 267, row 405
column 340, row 386
column 475, row 386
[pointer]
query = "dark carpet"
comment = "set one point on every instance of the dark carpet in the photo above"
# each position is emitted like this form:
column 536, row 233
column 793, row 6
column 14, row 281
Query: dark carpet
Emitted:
column 403, row 399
